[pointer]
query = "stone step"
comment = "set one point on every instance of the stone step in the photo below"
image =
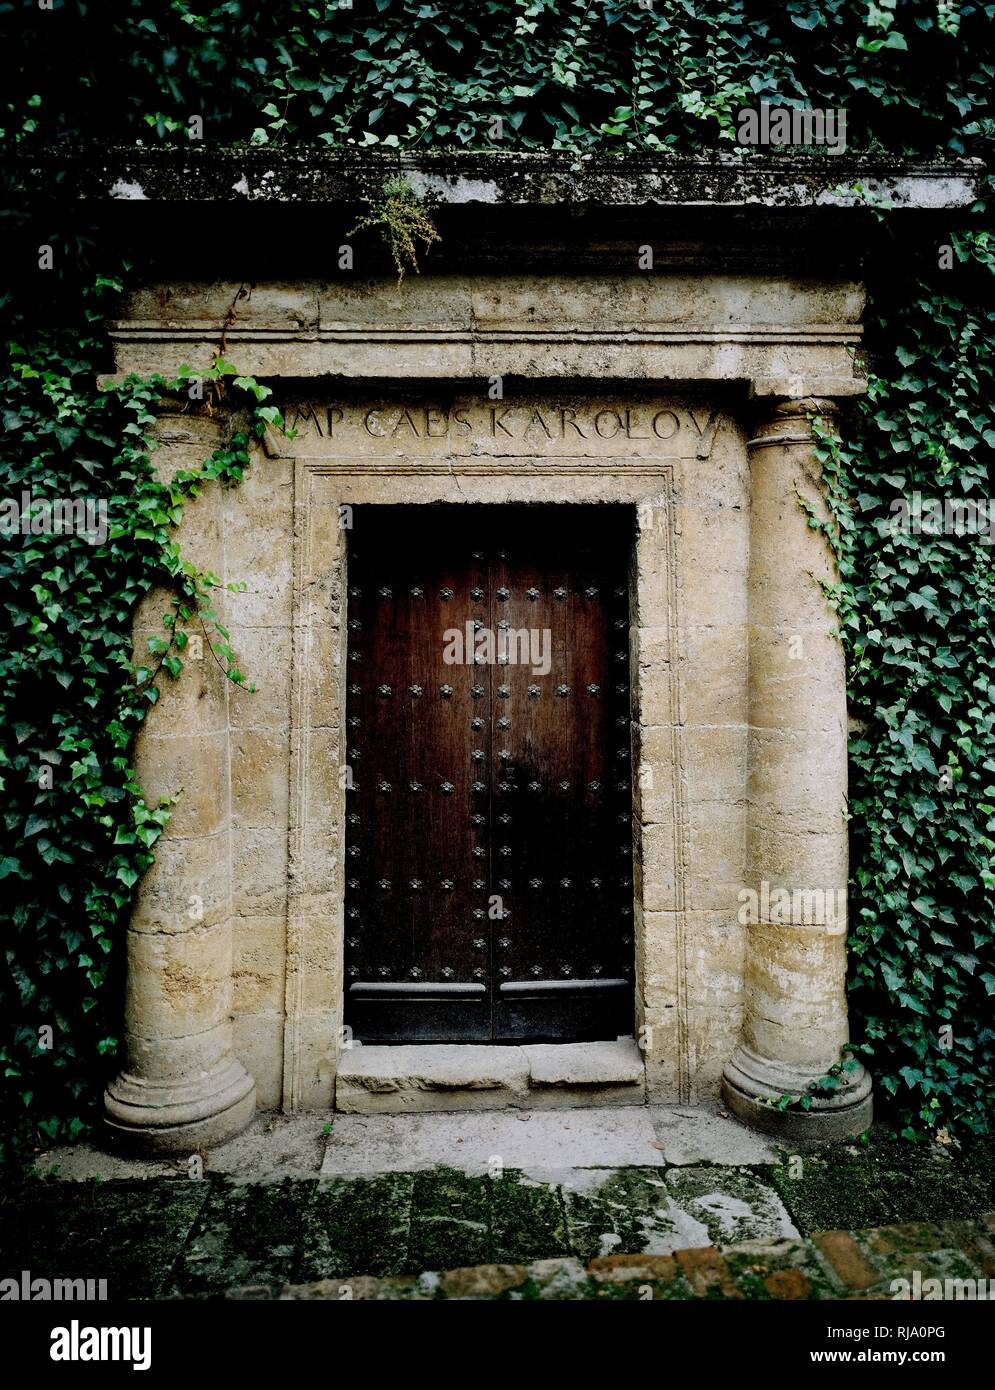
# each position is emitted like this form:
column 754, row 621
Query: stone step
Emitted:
column 383, row 1080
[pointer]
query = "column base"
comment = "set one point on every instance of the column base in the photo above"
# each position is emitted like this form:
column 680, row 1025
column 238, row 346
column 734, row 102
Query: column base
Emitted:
column 179, row 1117
column 750, row 1079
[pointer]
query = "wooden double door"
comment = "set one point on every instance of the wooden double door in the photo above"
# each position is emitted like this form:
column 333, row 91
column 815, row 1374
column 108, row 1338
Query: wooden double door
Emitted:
column 489, row 786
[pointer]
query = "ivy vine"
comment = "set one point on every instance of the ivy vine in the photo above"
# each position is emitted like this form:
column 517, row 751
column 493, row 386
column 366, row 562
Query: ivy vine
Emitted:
column 77, row 832
column 499, row 74
column 916, row 617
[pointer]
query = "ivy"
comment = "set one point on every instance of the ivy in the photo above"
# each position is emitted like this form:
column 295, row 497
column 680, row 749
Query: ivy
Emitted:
column 916, row 619
column 826, row 1085
column 612, row 76
column 77, row 834
column 607, row 75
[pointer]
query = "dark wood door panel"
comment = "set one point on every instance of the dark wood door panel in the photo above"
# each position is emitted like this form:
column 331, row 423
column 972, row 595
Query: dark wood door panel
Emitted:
column 416, row 842
column 570, row 885
column 489, row 884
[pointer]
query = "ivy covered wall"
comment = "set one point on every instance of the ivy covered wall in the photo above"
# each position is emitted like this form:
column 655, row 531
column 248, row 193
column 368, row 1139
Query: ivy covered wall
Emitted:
column 914, row 76
column 615, row 76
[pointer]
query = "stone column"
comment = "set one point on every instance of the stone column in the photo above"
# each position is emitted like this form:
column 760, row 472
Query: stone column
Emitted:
column 795, row 1022
column 182, row 1088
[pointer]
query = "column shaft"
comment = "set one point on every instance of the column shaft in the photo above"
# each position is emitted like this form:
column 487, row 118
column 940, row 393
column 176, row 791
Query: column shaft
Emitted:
column 795, row 1025
column 182, row 1087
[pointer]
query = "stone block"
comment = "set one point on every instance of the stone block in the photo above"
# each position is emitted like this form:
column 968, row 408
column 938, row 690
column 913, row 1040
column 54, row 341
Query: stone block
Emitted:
column 259, row 872
column 715, row 674
column 447, row 1077
column 194, row 769
column 264, row 658
column 187, row 886
column 795, row 859
column 626, row 1269
column 260, row 770
column 178, row 984
column 258, row 1044
column 715, row 759
column 707, row 1273
column 798, row 780
column 482, row 1281
column 846, row 1260
column 175, row 1059
column 716, row 853
column 575, row 1065
column 658, row 867
column 715, row 945
column 797, row 680
column 656, row 955
column 258, row 964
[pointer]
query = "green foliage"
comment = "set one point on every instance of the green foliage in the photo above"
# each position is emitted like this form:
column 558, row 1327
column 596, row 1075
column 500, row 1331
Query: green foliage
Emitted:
column 917, row 613
column 826, row 1085
column 560, row 74
column 402, row 220
column 77, row 834
column 612, row 76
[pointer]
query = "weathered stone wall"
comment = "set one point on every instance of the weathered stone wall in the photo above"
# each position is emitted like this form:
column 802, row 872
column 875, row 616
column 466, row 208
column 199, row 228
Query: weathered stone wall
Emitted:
column 633, row 391
column 259, row 552
column 688, row 486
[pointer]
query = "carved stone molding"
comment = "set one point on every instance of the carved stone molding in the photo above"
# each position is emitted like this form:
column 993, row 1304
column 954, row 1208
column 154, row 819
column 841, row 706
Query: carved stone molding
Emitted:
column 663, row 326
column 322, row 485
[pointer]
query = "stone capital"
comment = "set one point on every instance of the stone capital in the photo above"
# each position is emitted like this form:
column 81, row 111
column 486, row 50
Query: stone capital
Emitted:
column 789, row 419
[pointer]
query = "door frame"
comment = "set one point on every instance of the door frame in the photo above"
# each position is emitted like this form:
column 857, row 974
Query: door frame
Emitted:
column 323, row 483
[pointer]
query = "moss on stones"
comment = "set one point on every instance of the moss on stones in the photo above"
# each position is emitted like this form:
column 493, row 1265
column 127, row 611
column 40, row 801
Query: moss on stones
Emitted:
column 889, row 1181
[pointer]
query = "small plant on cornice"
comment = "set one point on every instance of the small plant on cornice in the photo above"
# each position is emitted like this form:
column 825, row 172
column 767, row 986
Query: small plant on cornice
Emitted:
column 402, row 219
column 875, row 202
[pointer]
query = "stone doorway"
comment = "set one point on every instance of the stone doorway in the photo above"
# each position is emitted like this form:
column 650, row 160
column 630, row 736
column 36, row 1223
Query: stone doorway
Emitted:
column 739, row 750
column 489, row 874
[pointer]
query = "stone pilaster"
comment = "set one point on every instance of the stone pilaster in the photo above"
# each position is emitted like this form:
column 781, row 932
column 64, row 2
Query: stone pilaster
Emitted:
column 182, row 1088
column 795, row 1021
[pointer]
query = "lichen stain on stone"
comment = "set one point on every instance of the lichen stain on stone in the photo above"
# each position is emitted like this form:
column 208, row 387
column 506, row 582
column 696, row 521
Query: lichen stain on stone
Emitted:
column 131, row 191
column 180, row 984
column 459, row 189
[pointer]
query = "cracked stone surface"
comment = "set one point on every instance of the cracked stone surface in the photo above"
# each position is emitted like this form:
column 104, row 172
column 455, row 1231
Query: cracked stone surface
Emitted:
column 299, row 1146
column 839, row 1224
column 544, row 1142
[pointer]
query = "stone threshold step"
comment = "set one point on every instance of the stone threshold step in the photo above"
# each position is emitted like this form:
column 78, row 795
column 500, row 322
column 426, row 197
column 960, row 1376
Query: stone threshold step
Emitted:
column 390, row 1080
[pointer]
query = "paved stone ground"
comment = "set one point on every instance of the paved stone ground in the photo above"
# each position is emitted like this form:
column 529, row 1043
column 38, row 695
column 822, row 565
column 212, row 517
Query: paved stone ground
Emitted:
column 550, row 1142
column 294, row 1212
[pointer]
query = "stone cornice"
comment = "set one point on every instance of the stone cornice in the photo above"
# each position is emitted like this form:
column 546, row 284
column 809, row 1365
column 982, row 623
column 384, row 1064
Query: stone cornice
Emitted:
column 308, row 176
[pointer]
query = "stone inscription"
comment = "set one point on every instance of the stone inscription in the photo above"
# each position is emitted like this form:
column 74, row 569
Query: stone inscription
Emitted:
column 600, row 427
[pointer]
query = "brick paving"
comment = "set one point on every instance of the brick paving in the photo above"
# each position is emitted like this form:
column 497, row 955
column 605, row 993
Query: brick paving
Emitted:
column 831, row 1265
